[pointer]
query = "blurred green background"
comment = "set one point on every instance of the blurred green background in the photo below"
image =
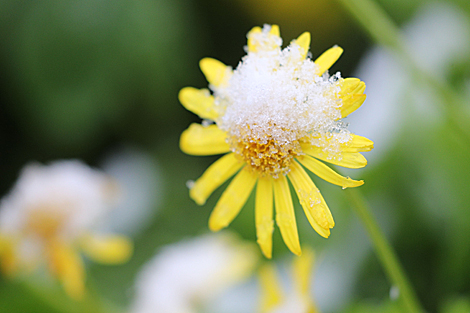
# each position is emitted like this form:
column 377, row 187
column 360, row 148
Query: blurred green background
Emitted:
column 80, row 79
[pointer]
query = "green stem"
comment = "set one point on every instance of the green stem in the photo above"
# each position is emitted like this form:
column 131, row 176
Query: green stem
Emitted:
column 375, row 21
column 385, row 253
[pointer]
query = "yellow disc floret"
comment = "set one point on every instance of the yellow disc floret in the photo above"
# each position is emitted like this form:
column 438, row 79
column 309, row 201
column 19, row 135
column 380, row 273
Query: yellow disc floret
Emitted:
column 266, row 155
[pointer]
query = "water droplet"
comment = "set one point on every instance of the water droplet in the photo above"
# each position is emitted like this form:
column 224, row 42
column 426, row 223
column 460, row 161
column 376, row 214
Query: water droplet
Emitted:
column 394, row 293
column 190, row 184
column 206, row 123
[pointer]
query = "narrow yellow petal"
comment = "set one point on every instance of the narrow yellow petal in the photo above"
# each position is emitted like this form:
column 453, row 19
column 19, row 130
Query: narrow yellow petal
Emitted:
column 253, row 40
column 213, row 177
column 315, row 207
column 255, row 30
column 264, row 215
column 252, row 47
column 304, row 42
column 67, row 265
column 216, row 72
column 326, row 173
column 8, row 259
column 204, row 140
column 351, row 95
column 285, row 216
column 357, row 144
column 351, row 104
column 275, row 30
column 360, row 88
column 349, row 84
column 312, row 308
column 198, row 101
column 109, row 249
column 232, row 200
column 344, row 159
column 303, row 268
column 271, row 288
column 327, row 59
column 352, row 85
column 4, row 243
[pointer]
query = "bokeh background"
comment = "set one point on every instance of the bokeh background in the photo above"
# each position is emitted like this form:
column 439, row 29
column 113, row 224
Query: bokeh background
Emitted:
column 97, row 80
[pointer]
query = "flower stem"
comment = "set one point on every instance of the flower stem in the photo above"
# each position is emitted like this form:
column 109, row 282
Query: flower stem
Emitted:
column 385, row 253
column 380, row 27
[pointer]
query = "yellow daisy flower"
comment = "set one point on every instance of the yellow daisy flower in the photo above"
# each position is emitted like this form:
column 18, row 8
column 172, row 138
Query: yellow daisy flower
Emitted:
column 47, row 220
column 276, row 114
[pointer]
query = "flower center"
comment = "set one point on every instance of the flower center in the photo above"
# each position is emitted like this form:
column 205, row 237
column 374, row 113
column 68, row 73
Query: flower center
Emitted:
column 266, row 156
column 44, row 223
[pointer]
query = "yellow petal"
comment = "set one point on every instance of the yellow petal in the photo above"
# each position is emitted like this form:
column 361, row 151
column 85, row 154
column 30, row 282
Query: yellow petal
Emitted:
column 344, row 159
column 213, row 177
column 67, row 265
column 327, row 59
column 109, row 249
column 4, row 243
column 285, row 217
column 360, row 88
column 303, row 268
column 8, row 260
column 275, row 30
column 349, row 84
column 251, row 43
column 351, row 104
column 351, row 95
column 271, row 290
column 357, row 144
column 315, row 207
column 264, row 215
column 312, row 308
column 232, row 200
column 216, row 72
column 304, row 42
column 254, row 45
column 326, row 173
column 352, row 85
column 204, row 140
column 198, row 101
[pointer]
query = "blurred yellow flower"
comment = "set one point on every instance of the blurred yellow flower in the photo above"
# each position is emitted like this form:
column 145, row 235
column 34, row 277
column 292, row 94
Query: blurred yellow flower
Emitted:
column 275, row 114
column 274, row 299
column 48, row 218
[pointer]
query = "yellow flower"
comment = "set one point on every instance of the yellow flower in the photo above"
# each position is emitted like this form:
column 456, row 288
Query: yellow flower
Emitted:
column 277, row 113
column 273, row 297
column 48, row 217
